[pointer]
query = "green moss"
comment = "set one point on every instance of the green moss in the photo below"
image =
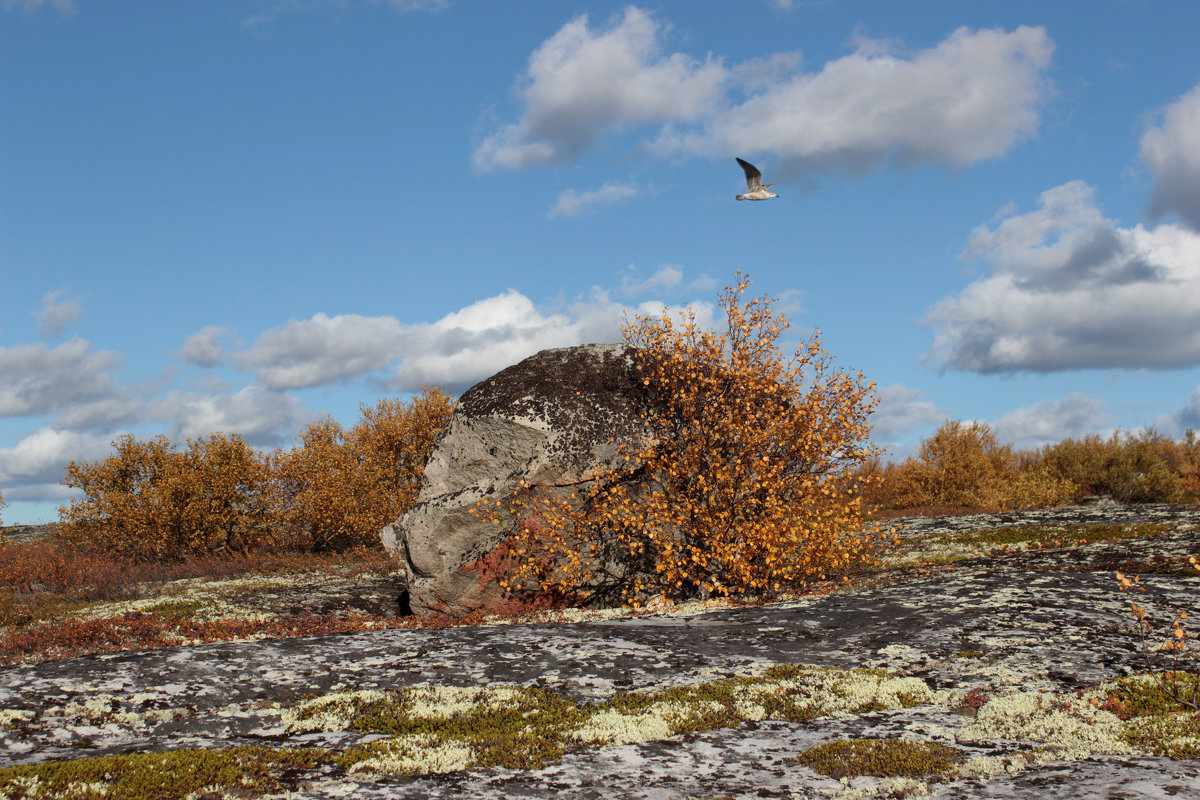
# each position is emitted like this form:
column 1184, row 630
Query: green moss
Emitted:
column 174, row 609
column 1153, row 695
column 1054, row 535
column 1175, row 736
column 443, row 729
column 969, row 654
column 530, row 728
column 885, row 758
column 158, row 776
column 1159, row 711
column 522, row 732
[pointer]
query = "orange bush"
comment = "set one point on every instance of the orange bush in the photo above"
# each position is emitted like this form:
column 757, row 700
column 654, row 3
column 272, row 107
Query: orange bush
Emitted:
column 1132, row 469
column 964, row 466
column 748, row 460
column 339, row 488
column 150, row 501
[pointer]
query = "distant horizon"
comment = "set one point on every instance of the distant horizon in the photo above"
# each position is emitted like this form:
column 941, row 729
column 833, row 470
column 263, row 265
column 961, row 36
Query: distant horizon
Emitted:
column 239, row 218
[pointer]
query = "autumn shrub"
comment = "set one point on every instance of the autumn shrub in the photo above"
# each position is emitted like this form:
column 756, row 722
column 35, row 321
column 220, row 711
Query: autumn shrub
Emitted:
column 1180, row 681
column 964, row 466
column 152, row 501
column 338, row 488
column 741, row 486
column 1131, row 469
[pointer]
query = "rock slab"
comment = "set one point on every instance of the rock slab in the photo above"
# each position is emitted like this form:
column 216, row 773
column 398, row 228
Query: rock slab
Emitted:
column 549, row 423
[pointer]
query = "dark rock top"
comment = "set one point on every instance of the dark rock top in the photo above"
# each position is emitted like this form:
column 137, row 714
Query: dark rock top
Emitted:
column 586, row 394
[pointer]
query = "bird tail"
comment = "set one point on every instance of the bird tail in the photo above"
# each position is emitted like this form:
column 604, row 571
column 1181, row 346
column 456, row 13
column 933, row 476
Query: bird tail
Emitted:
column 738, row 197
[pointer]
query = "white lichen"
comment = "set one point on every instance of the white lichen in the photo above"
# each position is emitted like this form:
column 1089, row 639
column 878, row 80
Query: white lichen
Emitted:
column 11, row 717
column 1067, row 725
column 416, row 755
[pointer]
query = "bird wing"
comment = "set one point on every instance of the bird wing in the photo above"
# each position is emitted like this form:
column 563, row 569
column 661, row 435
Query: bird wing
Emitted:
column 753, row 176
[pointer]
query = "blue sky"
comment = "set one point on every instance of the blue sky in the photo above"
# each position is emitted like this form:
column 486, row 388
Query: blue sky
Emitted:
column 240, row 216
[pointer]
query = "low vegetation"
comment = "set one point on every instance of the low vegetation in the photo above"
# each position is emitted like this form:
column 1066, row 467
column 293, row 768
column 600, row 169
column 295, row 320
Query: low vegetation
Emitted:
column 884, row 758
column 432, row 729
column 964, row 468
column 151, row 501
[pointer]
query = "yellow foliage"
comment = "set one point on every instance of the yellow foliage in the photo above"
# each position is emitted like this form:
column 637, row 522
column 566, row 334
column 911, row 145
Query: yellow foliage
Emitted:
column 748, row 456
column 965, row 467
column 339, row 488
column 150, row 501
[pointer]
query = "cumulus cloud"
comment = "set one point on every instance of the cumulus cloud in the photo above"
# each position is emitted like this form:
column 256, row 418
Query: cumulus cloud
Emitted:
column 1070, row 417
column 203, row 347
column 902, row 409
column 1178, row 422
column 259, row 415
column 57, row 312
column 1171, row 151
column 468, row 345
column 582, row 83
column 456, row 351
column 33, row 468
column 1070, row 289
column 323, row 350
column 970, row 97
column 571, row 203
column 41, row 380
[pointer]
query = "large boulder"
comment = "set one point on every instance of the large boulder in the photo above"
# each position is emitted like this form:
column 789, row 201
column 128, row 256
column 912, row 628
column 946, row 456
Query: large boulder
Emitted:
column 548, row 422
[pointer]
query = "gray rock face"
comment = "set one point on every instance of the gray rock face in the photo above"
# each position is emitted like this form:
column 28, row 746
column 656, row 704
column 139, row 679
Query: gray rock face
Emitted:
column 549, row 421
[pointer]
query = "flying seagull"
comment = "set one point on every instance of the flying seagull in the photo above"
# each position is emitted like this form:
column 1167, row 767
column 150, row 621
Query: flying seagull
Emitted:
column 754, row 184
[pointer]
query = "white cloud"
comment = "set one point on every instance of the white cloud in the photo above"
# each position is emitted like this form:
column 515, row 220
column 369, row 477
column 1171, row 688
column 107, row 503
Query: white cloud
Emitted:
column 665, row 277
column 1176, row 423
column 900, row 410
column 571, row 203
column 323, row 350
column 582, row 83
column 33, row 468
column 406, row 6
column 56, row 313
column 971, row 97
column 271, row 10
column 1069, row 289
column 40, row 380
column 456, row 351
column 1172, row 154
column 1035, row 426
column 203, row 348
column 467, row 346
column 260, row 416
column 64, row 7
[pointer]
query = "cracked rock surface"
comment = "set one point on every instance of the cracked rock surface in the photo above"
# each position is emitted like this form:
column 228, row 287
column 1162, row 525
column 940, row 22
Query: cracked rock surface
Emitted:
column 1003, row 622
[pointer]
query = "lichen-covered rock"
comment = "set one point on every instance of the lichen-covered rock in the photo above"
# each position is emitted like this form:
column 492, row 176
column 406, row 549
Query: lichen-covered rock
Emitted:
column 548, row 422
